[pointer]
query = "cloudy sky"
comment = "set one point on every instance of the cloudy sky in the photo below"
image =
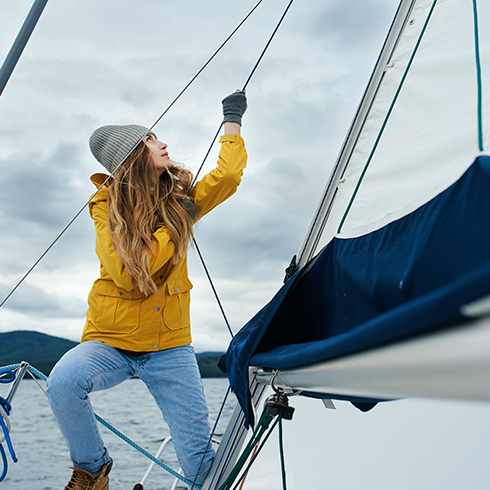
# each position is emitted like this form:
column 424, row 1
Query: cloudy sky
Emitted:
column 90, row 63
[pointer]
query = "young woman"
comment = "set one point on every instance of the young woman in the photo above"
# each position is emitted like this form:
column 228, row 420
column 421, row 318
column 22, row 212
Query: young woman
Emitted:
column 138, row 320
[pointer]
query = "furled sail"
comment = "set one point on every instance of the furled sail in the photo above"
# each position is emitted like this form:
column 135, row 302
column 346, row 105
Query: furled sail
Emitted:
column 398, row 245
column 423, row 120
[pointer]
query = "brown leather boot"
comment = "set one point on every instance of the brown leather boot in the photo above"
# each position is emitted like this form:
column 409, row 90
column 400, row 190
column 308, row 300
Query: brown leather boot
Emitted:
column 83, row 480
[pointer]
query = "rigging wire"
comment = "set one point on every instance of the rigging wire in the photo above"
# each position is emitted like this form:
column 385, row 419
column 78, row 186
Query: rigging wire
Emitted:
column 211, row 435
column 63, row 231
column 207, row 63
column 195, row 243
column 213, row 288
column 248, row 79
column 209, row 151
column 267, row 45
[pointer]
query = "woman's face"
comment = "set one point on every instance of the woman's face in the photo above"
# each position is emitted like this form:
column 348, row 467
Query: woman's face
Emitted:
column 159, row 153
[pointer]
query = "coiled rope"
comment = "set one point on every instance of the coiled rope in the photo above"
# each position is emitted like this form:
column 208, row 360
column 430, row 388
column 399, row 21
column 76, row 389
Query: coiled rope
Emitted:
column 126, row 439
column 5, row 409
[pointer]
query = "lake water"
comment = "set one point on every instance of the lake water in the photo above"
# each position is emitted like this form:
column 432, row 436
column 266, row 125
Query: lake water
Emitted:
column 402, row 445
column 42, row 453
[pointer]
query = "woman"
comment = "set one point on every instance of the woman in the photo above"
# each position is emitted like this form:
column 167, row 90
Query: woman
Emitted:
column 138, row 317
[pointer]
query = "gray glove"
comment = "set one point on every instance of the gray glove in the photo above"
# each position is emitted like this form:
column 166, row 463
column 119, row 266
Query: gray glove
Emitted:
column 234, row 106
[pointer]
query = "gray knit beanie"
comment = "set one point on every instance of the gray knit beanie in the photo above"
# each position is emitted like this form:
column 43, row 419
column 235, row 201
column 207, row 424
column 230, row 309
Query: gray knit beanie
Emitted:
column 110, row 145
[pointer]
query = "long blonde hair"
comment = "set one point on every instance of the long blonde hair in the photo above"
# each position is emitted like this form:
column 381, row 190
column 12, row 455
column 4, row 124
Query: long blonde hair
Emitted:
column 138, row 204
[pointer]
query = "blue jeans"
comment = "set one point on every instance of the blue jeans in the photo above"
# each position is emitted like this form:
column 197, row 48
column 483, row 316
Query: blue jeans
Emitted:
column 172, row 377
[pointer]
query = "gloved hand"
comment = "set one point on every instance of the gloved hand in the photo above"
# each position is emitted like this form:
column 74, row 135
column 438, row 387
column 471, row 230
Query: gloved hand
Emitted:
column 234, row 106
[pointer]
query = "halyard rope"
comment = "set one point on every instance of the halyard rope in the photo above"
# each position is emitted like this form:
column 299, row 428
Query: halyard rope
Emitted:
column 212, row 434
column 249, row 78
column 209, row 150
column 195, row 243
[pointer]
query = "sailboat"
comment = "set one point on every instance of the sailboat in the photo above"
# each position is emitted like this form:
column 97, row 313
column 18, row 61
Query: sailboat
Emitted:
column 389, row 296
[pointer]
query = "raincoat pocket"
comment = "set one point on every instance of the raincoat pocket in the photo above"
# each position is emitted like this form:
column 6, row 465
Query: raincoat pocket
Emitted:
column 176, row 313
column 118, row 310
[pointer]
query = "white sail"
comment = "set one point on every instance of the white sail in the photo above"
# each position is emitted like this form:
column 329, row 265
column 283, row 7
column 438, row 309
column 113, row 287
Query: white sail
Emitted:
column 423, row 120
column 417, row 129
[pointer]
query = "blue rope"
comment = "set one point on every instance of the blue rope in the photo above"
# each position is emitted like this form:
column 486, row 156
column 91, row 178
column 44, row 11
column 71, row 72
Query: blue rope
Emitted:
column 144, row 452
column 6, row 408
column 11, row 376
column 7, row 435
column 126, row 439
column 4, row 460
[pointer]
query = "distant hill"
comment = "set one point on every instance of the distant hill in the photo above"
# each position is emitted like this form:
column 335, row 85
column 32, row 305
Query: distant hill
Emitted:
column 43, row 352
column 208, row 364
column 38, row 349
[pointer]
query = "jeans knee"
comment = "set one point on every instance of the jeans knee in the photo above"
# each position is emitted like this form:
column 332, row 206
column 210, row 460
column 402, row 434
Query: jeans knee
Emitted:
column 54, row 386
column 62, row 387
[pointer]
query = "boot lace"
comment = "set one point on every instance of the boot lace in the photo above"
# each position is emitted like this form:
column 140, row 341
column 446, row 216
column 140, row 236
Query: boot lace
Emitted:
column 81, row 481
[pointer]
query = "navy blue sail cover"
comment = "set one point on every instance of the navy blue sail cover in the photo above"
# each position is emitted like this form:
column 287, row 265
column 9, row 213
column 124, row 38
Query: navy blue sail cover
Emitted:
column 407, row 278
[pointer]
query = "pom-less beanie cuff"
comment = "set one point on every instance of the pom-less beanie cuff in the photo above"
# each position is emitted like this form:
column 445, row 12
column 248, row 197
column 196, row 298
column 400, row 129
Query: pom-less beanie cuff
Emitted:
column 110, row 145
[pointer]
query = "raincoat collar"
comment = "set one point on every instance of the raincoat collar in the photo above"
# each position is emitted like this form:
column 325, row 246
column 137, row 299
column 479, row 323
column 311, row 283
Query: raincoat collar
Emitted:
column 99, row 179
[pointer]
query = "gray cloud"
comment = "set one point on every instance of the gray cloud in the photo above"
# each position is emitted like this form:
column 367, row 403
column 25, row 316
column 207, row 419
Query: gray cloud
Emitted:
column 32, row 300
column 120, row 64
column 93, row 62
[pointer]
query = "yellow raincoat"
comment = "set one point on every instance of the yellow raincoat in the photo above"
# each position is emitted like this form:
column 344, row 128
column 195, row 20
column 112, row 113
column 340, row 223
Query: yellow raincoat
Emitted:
column 121, row 317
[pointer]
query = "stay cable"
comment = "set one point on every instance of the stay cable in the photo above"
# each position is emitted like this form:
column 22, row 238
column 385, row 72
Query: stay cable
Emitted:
column 63, row 231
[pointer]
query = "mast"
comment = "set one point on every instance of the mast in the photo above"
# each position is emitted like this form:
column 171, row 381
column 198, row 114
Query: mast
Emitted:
column 20, row 42
column 310, row 243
